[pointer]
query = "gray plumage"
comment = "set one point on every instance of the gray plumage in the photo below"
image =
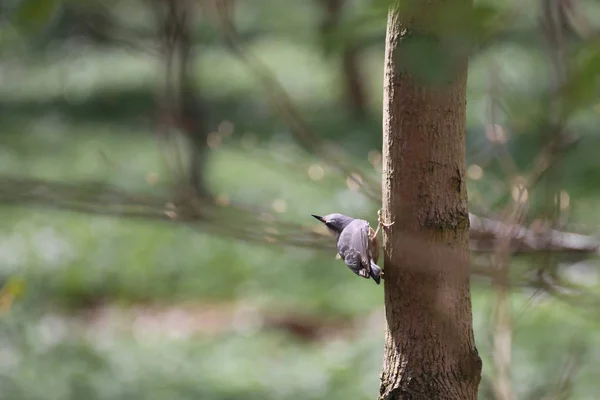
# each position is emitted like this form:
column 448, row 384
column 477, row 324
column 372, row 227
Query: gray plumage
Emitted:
column 353, row 244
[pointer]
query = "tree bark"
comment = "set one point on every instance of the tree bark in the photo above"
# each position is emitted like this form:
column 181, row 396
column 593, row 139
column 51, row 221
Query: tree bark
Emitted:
column 430, row 349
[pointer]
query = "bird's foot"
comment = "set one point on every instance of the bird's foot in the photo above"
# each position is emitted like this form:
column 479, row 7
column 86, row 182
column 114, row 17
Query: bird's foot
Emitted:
column 380, row 222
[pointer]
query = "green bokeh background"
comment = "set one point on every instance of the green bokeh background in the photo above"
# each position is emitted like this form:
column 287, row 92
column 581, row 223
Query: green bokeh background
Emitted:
column 107, row 302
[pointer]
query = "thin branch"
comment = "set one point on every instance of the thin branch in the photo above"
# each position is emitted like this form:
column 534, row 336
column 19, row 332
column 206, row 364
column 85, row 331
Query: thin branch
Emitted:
column 485, row 233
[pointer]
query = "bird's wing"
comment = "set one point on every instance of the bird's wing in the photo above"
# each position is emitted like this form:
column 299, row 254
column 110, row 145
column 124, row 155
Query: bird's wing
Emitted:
column 353, row 261
column 350, row 247
column 360, row 242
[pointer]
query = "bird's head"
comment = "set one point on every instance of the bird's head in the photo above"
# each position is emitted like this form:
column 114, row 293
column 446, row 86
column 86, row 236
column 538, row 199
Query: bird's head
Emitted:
column 335, row 222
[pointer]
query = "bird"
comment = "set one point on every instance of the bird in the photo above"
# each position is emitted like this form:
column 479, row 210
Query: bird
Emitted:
column 357, row 243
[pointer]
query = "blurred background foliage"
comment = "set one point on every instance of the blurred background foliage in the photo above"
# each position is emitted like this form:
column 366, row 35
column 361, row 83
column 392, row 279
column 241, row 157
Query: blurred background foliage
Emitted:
column 107, row 106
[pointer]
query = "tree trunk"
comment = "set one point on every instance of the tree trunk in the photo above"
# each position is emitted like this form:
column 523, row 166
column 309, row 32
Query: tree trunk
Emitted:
column 181, row 101
column 355, row 94
column 430, row 350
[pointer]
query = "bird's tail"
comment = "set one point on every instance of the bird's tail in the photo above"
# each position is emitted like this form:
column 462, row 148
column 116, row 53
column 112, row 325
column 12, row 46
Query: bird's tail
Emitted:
column 375, row 272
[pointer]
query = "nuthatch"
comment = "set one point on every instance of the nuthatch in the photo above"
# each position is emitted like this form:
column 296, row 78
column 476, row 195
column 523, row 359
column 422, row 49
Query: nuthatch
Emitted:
column 357, row 244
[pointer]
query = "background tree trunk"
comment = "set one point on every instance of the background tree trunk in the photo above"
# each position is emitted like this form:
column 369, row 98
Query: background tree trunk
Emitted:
column 430, row 350
column 355, row 94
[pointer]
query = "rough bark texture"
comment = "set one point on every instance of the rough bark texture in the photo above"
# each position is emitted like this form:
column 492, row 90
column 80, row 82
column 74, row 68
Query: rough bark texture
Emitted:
column 430, row 350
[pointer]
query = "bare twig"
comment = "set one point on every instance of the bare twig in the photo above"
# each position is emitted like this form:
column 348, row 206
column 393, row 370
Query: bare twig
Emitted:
column 486, row 232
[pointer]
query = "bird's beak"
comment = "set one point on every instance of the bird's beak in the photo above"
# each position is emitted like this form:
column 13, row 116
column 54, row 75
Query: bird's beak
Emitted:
column 318, row 217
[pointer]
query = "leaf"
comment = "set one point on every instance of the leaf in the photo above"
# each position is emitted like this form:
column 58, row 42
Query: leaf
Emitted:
column 34, row 15
column 582, row 90
column 9, row 292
